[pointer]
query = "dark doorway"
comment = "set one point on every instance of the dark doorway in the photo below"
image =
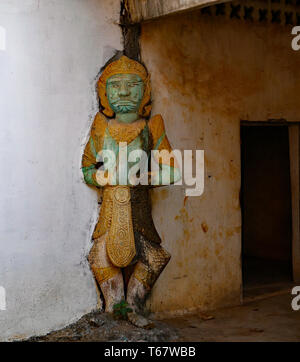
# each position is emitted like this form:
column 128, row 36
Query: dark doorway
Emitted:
column 266, row 207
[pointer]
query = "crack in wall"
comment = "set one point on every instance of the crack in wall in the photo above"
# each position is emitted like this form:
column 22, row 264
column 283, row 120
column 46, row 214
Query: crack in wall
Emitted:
column 131, row 33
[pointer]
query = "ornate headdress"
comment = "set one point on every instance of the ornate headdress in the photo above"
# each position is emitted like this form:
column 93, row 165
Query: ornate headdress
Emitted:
column 125, row 65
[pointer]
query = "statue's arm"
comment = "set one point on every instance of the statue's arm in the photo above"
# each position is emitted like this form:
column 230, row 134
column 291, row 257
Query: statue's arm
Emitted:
column 169, row 171
column 90, row 164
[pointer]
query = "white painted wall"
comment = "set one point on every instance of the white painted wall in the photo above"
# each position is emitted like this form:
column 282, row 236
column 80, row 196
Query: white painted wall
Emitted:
column 54, row 50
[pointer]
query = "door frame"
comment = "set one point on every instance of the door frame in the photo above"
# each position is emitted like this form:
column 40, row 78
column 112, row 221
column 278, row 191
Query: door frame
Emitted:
column 294, row 152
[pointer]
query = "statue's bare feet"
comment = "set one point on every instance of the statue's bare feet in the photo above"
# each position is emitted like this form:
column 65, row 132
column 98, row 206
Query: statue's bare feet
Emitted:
column 140, row 321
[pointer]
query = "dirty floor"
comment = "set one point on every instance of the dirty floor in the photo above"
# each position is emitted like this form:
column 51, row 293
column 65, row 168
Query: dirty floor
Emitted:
column 267, row 320
column 270, row 319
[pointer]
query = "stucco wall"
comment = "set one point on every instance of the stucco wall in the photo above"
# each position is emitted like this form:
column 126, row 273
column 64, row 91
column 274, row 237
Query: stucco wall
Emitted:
column 208, row 73
column 54, row 51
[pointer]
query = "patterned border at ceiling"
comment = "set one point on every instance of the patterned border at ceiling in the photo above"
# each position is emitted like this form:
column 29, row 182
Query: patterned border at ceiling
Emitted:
column 284, row 12
column 141, row 10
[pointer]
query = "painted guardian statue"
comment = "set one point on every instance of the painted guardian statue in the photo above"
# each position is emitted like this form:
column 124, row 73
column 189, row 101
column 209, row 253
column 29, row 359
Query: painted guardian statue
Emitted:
column 126, row 257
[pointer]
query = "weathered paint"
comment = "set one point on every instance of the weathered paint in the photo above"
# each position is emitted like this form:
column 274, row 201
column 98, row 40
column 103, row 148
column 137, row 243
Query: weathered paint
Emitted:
column 208, row 73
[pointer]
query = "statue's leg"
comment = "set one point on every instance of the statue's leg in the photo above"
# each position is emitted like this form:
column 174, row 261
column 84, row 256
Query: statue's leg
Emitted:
column 109, row 277
column 153, row 260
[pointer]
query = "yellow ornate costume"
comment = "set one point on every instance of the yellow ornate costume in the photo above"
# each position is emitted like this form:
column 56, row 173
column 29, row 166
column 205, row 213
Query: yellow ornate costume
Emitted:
column 114, row 207
column 125, row 235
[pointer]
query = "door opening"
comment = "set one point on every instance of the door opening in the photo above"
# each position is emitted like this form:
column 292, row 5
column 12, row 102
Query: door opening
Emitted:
column 266, row 208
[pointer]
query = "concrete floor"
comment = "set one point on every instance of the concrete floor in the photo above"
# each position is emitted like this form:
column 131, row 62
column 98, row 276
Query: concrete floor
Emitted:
column 266, row 320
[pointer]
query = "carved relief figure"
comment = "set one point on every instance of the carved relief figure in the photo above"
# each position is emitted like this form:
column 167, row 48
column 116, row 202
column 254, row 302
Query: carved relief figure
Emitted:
column 126, row 257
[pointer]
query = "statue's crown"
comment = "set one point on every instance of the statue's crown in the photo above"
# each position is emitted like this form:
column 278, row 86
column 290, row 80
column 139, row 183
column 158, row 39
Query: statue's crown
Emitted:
column 124, row 65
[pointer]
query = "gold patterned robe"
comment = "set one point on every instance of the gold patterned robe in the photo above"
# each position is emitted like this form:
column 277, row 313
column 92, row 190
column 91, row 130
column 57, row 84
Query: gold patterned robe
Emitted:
column 126, row 210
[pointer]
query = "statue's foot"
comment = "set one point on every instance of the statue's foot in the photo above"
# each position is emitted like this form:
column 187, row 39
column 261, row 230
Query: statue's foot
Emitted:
column 140, row 321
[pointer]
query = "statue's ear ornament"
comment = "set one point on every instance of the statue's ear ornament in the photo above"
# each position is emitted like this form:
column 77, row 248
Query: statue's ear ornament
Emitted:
column 145, row 107
column 125, row 65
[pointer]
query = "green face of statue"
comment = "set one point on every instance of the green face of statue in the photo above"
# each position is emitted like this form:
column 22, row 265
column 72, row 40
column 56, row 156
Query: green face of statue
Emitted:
column 125, row 93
